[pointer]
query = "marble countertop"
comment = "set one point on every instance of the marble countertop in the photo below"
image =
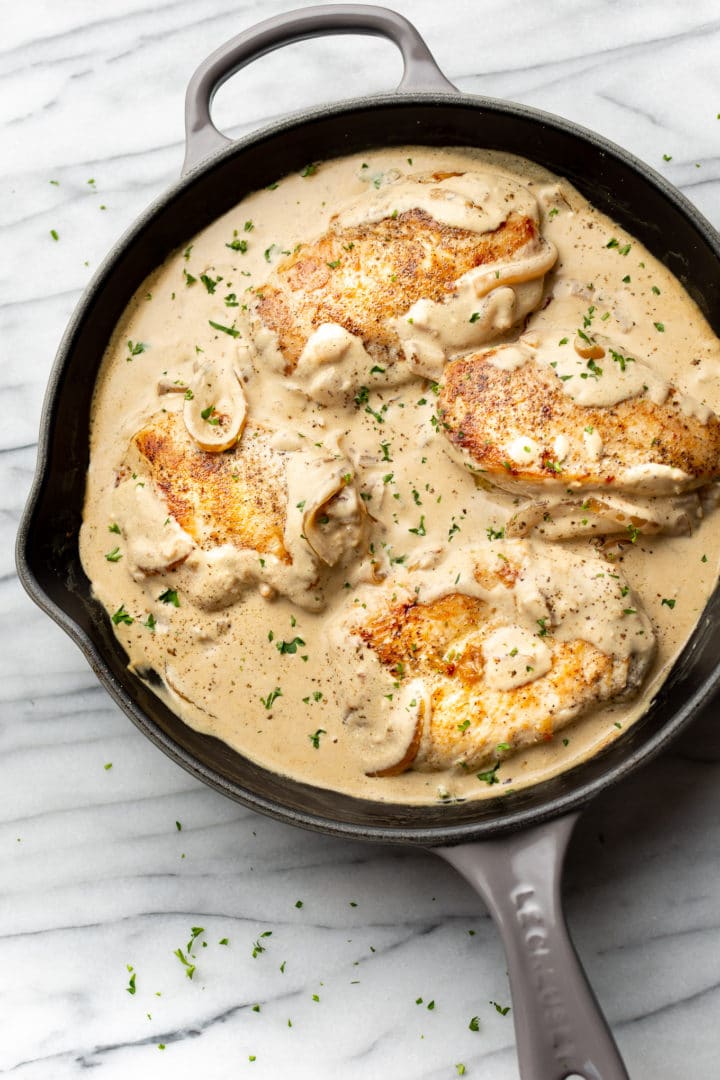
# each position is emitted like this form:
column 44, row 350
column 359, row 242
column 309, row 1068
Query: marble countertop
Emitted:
column 101, row 868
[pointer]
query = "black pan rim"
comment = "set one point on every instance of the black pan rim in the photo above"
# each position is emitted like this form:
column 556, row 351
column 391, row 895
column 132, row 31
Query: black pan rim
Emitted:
column 424, row 836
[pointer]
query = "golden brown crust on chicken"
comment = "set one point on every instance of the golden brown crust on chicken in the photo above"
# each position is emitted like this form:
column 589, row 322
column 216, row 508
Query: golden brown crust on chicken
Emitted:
column 487, row 674
column 502, row 721
column 364, row 276
column 236, row 497
column 484, row 409
column 468, row 719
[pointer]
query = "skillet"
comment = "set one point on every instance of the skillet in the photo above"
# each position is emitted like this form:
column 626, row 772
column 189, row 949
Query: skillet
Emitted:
column 510, row 848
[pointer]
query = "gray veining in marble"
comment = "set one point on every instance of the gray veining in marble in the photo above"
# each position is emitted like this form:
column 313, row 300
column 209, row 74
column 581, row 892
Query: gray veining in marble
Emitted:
column 94, row 874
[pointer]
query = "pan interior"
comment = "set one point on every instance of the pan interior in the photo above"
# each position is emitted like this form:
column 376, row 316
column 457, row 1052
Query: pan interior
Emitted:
column 48, row 557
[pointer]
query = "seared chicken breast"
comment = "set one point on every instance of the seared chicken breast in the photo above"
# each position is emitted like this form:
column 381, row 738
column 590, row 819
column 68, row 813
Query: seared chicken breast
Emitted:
column 229, row 519
column 497, row 649
column 237, row 497
column 406, row 276
column 602, row 443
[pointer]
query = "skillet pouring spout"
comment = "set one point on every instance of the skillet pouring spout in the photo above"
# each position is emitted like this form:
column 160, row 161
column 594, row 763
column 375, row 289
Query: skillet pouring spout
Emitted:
column 560, row 1030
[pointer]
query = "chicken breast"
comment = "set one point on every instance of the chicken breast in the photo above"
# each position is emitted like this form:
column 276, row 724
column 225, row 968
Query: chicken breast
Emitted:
column 495, row 650
column 408, row 275
column 251, row 514
column 600, row 441
column 238, row 497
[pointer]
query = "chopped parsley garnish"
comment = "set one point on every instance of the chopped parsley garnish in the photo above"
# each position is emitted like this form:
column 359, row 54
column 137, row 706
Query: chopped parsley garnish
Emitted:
column 656, row 290
column 660, row 327
column 668, row 603
column 114, row 555
column 259, row 948
column 289, row 646
column 210, row 283
column 474, row 1024
column 334, row 264
column 136, row 347
column 623, row 361
column 385, row 447
column 54, row 233
column 272, row 697
column 107, row 766
column 121, row 616
column 464, row 726
column 489, row 777
column 563, row 341
column 502, row 1009
column 474, row 317
column 209, row 415
column 543, row 628
column 553, row 213
column 633, row 533
column 225, row 329
column 189, row 279
column 310, row 170
column 170, row 596
column 315, row 738
column 495, row 534
column 420, row 530
column 131, row 984
column 237, row 244
column 189, row 968
column 667, row 157
column 150, row 622
column 114, row 528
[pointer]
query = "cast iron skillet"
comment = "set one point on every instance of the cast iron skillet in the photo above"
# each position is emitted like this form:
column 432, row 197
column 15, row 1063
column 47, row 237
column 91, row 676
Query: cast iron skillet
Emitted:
column 510, row 848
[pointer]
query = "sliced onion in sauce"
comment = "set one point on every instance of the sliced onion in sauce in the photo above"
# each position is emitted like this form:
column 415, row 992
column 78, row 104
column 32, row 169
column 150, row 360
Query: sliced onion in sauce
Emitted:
column 215, row 407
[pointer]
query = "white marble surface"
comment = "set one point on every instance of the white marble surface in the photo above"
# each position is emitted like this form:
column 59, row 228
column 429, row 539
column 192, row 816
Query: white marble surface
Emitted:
column 94, row 874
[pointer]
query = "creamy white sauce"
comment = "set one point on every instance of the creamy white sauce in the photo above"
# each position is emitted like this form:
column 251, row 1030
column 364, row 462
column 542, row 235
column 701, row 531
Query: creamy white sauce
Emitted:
column 392, row 480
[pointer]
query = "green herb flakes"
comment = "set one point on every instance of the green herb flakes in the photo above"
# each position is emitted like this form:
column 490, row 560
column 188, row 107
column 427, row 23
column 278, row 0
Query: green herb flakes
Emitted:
column 291, row 647
column 490, row 776
column 272, row 697
column 122, row 616
column 225, row 329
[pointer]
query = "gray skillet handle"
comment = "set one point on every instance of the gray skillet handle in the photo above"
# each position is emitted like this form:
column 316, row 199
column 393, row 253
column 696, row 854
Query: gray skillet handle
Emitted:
column 421, row 73
column 559, row 1028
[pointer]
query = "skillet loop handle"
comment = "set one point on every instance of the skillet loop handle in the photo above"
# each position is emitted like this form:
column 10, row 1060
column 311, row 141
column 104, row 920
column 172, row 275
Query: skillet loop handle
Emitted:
column 559, row 1027
column 421, row 73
